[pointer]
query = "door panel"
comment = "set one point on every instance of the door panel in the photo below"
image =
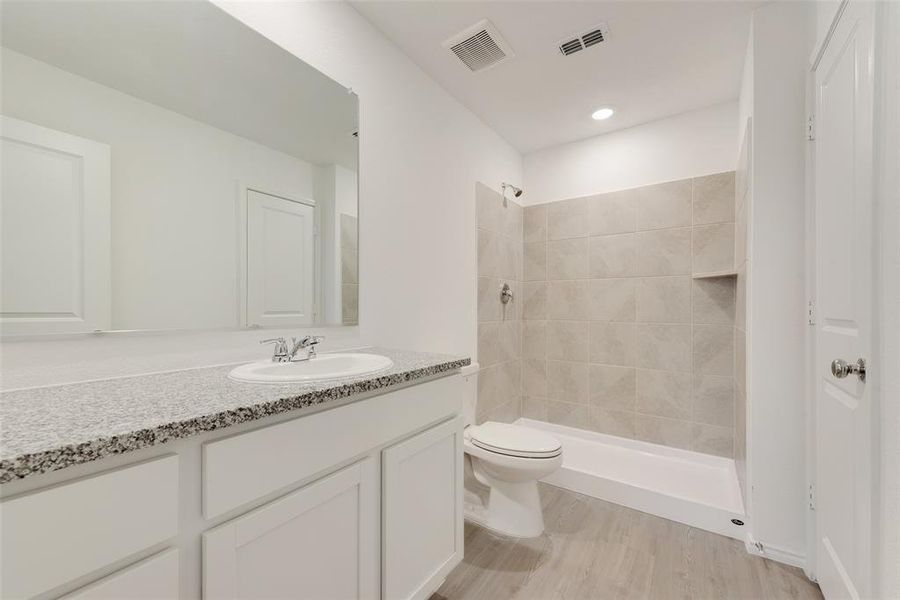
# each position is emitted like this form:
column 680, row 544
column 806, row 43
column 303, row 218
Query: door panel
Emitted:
column 843, row 179
column 280, row 261
column 55, row 231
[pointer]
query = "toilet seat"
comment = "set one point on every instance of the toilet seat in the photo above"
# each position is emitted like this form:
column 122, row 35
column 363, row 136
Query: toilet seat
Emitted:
column 514, row 440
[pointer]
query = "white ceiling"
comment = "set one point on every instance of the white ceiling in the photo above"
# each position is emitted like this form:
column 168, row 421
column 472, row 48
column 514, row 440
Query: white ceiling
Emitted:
column 661, row 59
column 194, row 59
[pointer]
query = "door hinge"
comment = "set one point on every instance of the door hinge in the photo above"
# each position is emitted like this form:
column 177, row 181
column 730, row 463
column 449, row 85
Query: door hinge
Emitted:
column 812, row 497
column 810, row 128
column 811, row 312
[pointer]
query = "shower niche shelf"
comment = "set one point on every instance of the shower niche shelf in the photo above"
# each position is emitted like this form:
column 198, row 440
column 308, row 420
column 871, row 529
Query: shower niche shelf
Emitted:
column 715, row 274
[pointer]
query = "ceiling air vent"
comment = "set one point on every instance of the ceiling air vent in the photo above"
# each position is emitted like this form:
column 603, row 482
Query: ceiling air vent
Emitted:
column 594, row 36
column 480, row 46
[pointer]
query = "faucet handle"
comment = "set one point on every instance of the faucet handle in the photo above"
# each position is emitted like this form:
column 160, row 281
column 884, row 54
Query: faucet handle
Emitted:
column 281, row 347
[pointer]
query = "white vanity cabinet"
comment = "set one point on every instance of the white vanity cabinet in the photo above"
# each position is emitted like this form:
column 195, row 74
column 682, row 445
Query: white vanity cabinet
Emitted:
column 316, row 543
column 359, row 501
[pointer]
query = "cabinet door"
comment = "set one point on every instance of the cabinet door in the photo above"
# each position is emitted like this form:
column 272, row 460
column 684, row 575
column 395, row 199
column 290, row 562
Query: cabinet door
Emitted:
column 318, row 542
column 155, row 578
column 423, row 522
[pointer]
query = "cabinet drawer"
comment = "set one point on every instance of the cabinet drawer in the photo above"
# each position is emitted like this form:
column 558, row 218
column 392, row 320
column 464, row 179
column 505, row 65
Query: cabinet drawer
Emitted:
column 53, row 536
column 240, row 469
column 155, row 578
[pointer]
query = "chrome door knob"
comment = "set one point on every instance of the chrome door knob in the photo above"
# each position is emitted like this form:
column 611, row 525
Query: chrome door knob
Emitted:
column 841, row 368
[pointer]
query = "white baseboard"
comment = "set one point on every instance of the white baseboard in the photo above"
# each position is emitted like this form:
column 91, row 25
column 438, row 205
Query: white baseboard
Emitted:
column 787, row 557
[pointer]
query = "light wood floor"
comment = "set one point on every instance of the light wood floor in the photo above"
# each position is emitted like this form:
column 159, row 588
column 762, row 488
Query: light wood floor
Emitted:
column 597, row 550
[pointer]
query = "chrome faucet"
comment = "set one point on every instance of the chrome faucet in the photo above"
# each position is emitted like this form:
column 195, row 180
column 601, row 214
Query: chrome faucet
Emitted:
column 309, row 342
column 282, row 354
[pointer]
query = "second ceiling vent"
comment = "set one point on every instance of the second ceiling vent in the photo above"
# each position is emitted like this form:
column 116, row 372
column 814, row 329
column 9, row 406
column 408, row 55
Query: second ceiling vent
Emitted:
column 480, row 46
column 595, row 35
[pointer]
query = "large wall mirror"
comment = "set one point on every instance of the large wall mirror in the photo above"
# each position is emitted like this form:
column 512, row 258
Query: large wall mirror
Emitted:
column 166, row 167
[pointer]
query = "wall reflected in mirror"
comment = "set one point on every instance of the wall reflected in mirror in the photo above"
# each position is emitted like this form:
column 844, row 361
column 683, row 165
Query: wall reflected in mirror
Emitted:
column 166, row 167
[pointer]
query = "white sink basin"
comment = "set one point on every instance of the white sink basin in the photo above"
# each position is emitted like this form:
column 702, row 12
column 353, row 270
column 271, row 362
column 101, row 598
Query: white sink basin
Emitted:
column 320, row 368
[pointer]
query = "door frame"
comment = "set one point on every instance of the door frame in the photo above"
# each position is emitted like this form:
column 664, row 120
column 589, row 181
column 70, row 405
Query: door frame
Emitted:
column 885, row 394
column 241, row 258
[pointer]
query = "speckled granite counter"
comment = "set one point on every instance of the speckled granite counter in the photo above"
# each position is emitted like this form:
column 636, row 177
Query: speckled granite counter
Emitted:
column 50, row 428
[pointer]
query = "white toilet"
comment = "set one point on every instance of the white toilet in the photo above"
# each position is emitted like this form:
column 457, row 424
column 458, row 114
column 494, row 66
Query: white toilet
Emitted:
column 508, row 459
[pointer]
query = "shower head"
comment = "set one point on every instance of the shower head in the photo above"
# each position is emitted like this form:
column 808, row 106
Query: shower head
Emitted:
column 516, row 191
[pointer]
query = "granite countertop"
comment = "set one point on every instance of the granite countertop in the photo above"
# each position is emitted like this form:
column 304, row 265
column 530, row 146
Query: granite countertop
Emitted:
column 51, row 428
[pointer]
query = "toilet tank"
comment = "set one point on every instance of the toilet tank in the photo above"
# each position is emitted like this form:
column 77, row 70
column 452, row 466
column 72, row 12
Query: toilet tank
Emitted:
column 470, row 377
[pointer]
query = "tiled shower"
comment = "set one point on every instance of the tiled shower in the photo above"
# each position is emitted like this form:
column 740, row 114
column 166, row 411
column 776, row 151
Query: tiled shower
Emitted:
column 625, row 312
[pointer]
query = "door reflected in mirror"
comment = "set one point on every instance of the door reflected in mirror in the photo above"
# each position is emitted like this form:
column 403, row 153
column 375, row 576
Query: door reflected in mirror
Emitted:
column 166, row 167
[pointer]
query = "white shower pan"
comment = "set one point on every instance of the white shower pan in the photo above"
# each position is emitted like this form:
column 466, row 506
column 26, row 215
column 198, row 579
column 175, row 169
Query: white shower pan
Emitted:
column 696, row 489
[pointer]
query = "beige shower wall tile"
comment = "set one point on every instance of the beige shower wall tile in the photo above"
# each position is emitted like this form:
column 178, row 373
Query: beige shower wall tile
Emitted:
column 534, row 408
column 567, row 340
column 567, row 219
column 659, row 430
column 611, row 299
column 534, row 300
column 567, row 259
column 710, row 439
column 568, row 300
column 713, row 400
column 535, row 223
column 534, row 377
column 663, row 252
column 488, row 253
column 534, row 339
column 567, row 381
column 489, row 349
column 535, row 262
column 714, row 198
column 714, row 350
column 713, row 300
column 663, row 394
column 499, row 384
column 713, row 248
column 567, row 413
column 512, row 220
column 612, row 256
column 612, row 422
column 509, row 259
column 663, row 347
column 611, row 388
column 612, row 343
column 510, row 340
column 488, row 299
column 664, row 300
column 664, row 205
column 614, row 212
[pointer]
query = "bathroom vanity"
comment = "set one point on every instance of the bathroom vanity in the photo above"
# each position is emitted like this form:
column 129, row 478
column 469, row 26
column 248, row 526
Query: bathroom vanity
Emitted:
column 188, row 484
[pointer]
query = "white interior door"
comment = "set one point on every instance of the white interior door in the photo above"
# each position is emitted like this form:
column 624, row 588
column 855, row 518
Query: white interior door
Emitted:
column 54, row 192
column 280, row 261
column 843, row 192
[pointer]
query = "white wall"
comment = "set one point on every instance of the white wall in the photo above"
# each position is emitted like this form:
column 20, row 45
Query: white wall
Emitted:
column 700, row 142
column 774, row 96
column 174, row 193
column 421, row 153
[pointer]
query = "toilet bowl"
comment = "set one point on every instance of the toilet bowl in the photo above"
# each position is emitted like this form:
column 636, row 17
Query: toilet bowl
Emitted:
column 510, row 459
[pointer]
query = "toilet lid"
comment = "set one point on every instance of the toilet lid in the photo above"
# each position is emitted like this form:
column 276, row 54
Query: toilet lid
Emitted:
column 514, row 440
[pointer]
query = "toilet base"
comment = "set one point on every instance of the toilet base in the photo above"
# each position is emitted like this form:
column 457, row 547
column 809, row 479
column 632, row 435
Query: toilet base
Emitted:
column 513, row 510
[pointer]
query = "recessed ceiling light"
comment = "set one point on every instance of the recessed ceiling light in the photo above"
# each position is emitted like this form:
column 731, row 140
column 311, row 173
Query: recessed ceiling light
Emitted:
column 602, row 113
